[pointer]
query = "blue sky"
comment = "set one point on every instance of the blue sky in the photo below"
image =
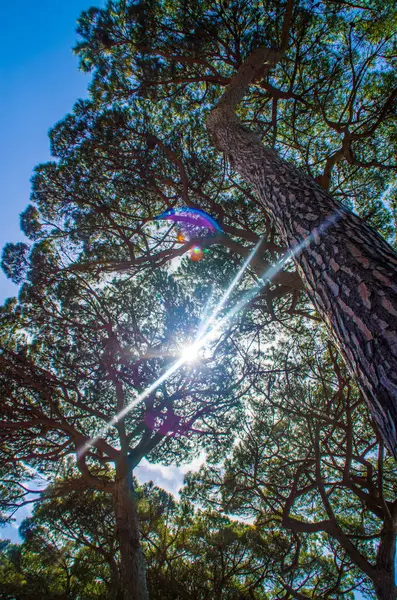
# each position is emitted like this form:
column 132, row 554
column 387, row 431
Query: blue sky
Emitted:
column 39, row 83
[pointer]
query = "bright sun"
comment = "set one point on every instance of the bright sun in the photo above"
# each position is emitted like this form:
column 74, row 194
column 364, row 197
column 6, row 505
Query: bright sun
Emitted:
column 190, row 353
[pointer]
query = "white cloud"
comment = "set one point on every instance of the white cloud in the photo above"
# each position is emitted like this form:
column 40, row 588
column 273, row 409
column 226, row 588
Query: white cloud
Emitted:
column 170, row 477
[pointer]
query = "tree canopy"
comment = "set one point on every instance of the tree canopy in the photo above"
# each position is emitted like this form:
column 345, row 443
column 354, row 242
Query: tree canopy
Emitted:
column 278, row 119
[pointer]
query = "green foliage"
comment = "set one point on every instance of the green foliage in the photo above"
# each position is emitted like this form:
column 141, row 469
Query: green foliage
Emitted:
column 14, row 261
column 109, row 301
column 309, row 467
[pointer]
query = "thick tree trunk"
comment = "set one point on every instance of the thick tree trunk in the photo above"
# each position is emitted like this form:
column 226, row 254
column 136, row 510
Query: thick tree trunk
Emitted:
column 127, row 527
column 349, row 271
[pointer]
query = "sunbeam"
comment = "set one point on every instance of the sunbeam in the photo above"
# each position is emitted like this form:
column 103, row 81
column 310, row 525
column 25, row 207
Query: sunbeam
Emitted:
column 203, row 335
column 205, row 326
column 273, row 270
column 206, row 331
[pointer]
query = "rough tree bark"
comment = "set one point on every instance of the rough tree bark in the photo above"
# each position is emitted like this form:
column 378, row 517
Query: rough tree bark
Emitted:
column 127, row 530
column 348, row 270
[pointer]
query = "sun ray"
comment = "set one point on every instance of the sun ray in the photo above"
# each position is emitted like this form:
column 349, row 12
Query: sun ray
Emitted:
column 206, row 331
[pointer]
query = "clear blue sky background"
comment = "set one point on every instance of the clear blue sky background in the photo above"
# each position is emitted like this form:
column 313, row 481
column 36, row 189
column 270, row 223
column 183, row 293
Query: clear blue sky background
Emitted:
column 39, row 83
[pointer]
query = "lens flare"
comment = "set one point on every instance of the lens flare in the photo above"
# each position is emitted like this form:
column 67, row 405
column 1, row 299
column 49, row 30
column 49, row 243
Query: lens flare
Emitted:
column 192, row 224
column 206, row 331
column 181, row 238
column 190, row 217
column 196, row 253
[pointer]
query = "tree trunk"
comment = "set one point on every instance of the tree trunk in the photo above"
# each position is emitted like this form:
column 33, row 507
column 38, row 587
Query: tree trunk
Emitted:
column 114, row 591
column 385, row 588
column 348, row 270
column 385, row 583
column 127, row 526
